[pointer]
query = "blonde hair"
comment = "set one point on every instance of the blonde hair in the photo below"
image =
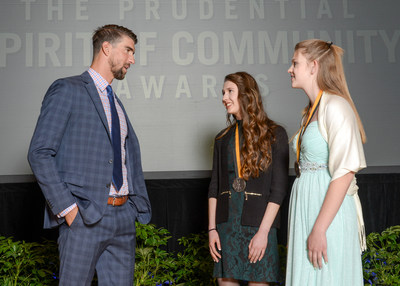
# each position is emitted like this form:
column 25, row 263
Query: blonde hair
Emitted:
column 330, row 77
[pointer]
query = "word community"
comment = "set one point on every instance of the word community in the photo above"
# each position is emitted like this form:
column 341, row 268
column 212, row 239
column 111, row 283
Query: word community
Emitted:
column 207, row 48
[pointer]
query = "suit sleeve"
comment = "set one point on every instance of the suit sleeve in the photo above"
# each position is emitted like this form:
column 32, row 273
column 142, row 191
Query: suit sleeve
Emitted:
column 141, row 198
column 280, row 167
column 45, row 143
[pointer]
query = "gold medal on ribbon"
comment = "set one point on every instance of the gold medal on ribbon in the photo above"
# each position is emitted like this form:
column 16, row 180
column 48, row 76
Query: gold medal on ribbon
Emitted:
column 239, row 185
column 297, row 167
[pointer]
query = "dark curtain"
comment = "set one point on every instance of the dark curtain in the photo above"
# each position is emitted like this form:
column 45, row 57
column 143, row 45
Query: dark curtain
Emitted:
column 180, row 205
column 380, row 199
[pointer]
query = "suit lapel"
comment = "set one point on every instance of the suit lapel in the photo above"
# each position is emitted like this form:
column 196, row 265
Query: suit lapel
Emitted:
column 94, row 95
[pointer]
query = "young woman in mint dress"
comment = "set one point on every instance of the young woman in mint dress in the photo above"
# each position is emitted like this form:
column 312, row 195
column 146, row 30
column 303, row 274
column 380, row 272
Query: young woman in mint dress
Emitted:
column 326, row 232
column 248, row 183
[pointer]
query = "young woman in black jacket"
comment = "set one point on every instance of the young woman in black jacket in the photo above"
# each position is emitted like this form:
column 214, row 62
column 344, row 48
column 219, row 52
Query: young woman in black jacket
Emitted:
column 249, row 182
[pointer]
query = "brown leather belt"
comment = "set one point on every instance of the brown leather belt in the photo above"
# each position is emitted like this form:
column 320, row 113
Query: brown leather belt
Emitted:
column 117, row 201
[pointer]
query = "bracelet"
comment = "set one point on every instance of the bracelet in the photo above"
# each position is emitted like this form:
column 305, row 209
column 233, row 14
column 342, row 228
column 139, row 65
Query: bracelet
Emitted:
column 212, row 229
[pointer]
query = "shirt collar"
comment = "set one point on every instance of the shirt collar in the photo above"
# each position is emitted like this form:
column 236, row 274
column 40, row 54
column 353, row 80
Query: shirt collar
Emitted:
column 99, row 81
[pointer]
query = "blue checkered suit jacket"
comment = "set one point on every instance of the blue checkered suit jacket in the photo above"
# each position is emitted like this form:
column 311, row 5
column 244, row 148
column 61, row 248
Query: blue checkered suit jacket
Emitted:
column 71, row 153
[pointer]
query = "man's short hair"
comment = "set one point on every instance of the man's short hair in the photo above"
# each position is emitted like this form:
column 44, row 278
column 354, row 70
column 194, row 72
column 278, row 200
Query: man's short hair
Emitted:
column 110, row 33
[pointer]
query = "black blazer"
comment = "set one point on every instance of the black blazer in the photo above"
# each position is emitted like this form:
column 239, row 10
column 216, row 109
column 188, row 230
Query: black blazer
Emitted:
column 270, row 186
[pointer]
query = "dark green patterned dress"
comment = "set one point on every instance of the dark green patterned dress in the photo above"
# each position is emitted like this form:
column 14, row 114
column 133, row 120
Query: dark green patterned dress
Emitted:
column 235, row 239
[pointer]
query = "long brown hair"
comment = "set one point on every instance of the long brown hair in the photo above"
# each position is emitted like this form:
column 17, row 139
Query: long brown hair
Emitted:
column 258, row 129
column 330, row 77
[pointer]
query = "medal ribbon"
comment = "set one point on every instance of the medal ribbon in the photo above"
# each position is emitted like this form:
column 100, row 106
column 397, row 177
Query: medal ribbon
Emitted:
column 304, row 126
column 239, row 166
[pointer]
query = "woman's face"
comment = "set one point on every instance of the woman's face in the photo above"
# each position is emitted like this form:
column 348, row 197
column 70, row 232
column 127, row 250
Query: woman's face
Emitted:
column 300, row 71
column 230, row 99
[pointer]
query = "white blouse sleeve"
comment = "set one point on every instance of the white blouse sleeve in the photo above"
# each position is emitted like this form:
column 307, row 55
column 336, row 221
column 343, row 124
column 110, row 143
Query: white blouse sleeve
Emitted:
column 346, row 153
column 338, row 125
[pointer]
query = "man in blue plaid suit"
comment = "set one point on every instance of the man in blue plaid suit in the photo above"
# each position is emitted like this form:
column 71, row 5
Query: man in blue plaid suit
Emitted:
column 72, row 156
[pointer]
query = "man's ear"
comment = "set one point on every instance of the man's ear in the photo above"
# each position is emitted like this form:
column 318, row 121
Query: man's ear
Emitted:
column 106, row 48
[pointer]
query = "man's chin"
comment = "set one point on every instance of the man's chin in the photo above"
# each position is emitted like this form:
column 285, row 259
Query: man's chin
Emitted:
column 120, row 75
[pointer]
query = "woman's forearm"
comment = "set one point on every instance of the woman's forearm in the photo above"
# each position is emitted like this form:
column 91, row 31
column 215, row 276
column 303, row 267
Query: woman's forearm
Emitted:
column 212, row 208
column 333, row 200
column 269, row 216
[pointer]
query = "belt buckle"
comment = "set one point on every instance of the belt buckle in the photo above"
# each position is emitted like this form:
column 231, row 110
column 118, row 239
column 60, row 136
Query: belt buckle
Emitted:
column 113, row 203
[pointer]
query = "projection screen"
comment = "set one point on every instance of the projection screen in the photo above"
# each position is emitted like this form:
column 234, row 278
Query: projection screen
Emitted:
column 173, row 92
